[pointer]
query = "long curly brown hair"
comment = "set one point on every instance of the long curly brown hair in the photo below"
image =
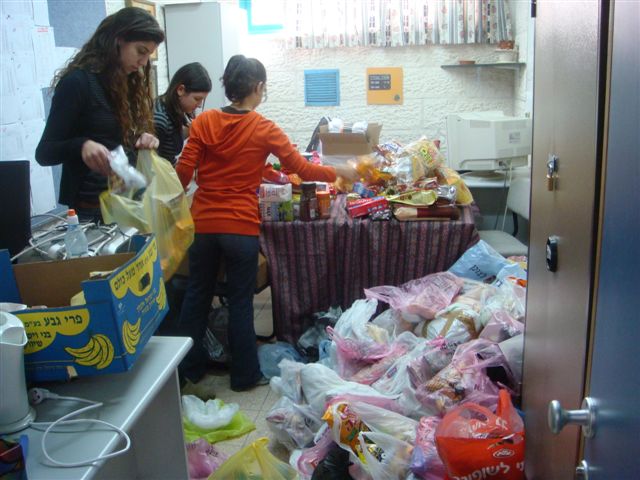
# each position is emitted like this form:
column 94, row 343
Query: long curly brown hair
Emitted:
column 130, row 94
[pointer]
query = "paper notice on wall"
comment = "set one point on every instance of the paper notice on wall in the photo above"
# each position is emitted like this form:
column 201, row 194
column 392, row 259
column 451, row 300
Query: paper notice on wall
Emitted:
column 44, row 49
column 40, row 12
column 11, row 146
column 7, row 78
column 10, row 109
column 16, row 34
column 16, row 8
column 43, row 195
column 31, row 104
column 31, row 134
column 24, row 67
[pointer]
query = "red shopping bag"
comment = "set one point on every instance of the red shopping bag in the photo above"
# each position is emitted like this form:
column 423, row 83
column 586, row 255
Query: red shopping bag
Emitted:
column 474, row 442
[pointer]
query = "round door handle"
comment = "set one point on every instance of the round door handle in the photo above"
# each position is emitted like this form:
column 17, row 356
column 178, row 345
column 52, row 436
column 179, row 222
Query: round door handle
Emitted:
column 558, row 417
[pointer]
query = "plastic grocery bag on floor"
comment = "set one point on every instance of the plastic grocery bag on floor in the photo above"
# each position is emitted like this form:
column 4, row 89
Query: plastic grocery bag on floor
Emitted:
column 255, row 461
column 480, row 262
column 240, row 425
column 473, row 442
column 425, row 461
column 421, row 298
column 211, row 414
column 162, row 209
column 293, row 425
column 271, row 354
column 203, row 459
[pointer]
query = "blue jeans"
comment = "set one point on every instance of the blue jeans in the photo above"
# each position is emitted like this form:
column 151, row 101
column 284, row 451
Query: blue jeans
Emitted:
column 240, row 255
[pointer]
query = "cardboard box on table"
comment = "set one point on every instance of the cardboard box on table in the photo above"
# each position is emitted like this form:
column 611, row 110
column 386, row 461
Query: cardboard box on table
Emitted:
column 104, row 335
column 348, row 143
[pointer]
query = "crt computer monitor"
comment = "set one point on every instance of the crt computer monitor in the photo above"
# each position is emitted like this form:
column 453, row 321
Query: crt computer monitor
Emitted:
column 487, row 141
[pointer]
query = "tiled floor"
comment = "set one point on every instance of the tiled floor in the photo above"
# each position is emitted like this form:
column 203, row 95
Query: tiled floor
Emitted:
column 257, row 402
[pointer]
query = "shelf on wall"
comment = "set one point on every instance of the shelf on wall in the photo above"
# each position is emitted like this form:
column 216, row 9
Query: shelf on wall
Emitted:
column 509, row 65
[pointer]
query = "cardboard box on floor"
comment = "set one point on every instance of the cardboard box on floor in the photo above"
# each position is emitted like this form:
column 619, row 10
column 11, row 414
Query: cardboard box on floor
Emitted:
column 108, row 332
column 348, row 143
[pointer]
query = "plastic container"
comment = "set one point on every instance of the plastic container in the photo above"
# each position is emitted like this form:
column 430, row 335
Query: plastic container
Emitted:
column 324, row 204
column 75, row 241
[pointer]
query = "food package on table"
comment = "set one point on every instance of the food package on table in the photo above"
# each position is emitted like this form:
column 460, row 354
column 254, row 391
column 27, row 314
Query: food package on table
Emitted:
column 276, row 211
column 449, row 176
column 415, row 198
column 425, row 157
column 274, row 193
column 446, row 212
column 365, row 206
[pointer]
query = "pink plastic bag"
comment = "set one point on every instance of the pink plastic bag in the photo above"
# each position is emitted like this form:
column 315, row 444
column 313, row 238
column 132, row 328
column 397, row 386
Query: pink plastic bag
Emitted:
column 203, row 459
column 425, row 461
column 422, row 297
column 465, row 379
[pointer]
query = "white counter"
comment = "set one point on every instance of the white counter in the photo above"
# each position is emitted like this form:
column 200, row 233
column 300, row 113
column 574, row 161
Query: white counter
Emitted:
column 145, row 402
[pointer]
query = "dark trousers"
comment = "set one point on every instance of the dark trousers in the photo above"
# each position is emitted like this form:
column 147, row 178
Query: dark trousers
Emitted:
column 240, row 255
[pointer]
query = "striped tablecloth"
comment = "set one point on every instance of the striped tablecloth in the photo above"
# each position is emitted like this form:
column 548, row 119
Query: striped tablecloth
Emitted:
column 314, row 265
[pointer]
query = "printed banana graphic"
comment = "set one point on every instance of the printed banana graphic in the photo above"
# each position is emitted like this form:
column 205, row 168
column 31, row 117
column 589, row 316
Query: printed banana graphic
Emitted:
column 162, row 296
column 131, row 335
column 97, row 352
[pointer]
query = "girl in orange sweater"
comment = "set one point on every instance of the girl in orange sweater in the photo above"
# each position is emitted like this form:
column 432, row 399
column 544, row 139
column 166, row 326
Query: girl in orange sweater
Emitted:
column 227, row 149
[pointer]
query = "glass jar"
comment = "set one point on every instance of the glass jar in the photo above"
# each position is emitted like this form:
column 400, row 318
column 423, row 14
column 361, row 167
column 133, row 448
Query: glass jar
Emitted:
column 308, row 202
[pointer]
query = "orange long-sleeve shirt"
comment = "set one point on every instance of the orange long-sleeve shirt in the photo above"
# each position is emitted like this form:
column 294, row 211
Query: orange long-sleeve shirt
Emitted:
column 228, row 152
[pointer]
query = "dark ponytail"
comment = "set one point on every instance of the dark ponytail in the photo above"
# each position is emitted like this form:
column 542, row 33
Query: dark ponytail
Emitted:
column 241, row 76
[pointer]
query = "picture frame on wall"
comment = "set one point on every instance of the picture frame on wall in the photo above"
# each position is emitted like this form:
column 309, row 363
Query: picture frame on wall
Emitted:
column 149, row 7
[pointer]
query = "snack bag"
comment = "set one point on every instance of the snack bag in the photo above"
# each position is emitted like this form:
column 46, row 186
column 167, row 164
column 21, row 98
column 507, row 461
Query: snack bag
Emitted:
column 473, row 442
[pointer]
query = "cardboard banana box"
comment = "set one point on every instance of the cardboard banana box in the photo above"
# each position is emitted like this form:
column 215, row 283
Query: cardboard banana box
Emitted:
column 107, row 331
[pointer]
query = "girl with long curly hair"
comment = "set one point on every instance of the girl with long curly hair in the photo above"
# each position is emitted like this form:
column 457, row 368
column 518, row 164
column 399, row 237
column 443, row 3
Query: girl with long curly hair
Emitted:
column 102, row 99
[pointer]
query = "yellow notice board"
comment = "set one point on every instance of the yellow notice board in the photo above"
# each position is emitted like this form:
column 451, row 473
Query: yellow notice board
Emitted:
column 384, row 86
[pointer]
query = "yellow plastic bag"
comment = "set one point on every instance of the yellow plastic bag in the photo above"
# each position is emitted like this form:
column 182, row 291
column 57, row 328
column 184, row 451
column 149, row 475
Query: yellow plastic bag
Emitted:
column 254, row 461
column 162, row 209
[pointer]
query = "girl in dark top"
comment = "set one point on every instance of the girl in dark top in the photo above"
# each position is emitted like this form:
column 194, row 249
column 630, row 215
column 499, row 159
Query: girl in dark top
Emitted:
column 174, row 110
column 102, row 99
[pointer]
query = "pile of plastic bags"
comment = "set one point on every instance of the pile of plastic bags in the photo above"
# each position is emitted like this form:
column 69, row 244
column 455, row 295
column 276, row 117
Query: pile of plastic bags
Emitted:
column 423, row 389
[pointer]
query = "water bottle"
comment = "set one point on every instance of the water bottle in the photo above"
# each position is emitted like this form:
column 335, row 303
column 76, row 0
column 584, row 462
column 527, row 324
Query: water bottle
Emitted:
column 75, row 241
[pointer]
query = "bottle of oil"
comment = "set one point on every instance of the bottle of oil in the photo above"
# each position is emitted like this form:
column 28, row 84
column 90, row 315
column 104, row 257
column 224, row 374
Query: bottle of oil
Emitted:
column 75, row 241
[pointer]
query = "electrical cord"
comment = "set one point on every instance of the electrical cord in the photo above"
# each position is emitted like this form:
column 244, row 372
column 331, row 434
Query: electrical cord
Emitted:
column 38, row 395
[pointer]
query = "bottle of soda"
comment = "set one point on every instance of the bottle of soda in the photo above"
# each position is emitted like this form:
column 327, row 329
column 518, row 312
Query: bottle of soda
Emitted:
column 75, row 241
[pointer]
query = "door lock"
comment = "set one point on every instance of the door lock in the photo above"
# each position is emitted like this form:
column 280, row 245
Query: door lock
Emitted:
column 552, row 172
column 558, row 417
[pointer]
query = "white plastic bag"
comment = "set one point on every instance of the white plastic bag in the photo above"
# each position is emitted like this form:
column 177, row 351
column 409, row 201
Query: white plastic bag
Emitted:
column 210, row 415
column 119, row 163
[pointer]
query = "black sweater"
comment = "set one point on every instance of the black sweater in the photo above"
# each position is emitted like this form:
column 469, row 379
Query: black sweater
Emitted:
column 169, row 134
column 80, row 111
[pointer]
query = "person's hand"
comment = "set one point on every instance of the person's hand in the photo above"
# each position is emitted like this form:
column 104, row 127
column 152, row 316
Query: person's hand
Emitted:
column 96, row 156
column 147, row 142
column 347, row 172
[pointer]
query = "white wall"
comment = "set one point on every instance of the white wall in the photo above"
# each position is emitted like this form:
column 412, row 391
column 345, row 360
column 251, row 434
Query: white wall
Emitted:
column 430, row 92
